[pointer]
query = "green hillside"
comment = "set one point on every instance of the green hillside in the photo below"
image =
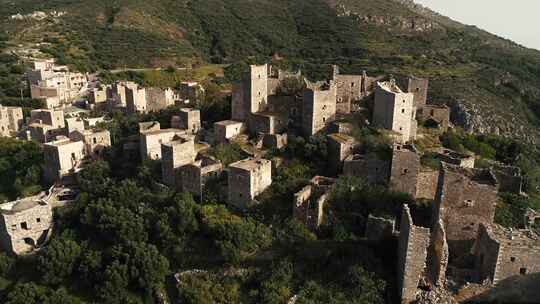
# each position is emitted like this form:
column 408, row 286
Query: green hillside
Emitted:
column 491, row 83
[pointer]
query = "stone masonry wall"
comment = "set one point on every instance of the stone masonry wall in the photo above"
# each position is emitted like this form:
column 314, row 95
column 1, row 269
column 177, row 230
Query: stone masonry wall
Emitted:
column 465, row 199
column 412, row 252
column 427, row 184
column 419, row 87
column 404, row 172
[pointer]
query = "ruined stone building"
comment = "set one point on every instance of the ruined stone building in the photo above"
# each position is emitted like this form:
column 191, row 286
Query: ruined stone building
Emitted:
column 25, row 224
column 340, row 146
column 422, row 258
column 309, row 202
column 275, row 141
column 190, row 92
column 370, row 168
column 97, row 98
column 74, row 124
column 457, row 159
column 502, row 253
column 465, row 199
column 188, row 119
column 228, row 129
column 54, row 84
column 247, row 179
column 197, row 175
column 45, row 125
column 11, row 120
column 61, row 158
column 176, row 154
column 351, row 88
column 418, row 87
column 437, row 116
column 509, row 178
column 95, row 142
column 394, row 110
column 158, row 98
column 152, row 138
column 117, row 94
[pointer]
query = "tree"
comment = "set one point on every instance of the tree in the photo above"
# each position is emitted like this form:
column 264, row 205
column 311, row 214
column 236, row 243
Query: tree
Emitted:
column 96, row 179
column 31, row 293
column 59, row 259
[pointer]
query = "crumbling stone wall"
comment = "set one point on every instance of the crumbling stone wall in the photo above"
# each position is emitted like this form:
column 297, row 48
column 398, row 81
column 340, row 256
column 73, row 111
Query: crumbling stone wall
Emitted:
column 319, row 109
column 438, row 114
column 465, row 199
column 509, row 178
column 266, row 123
column 159, row 99
column 195, row 176
column 458, row 159
column 438, row 256
column 24, row 225
column 426, row 186
column 340, row 146
column 351, row 88
column 151, row 141
column 405, row 168
column 412, row 253
column 370, row 168
column 419, row 87
column 502, row 253
column 11, row 120
column 309, row 202
column 379, row 228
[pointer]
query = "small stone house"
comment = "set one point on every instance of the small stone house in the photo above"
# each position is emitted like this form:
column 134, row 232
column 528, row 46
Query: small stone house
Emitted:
column 247, row 179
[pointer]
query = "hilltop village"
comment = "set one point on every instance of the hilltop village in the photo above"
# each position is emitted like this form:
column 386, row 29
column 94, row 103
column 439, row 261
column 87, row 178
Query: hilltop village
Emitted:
column 453, row 249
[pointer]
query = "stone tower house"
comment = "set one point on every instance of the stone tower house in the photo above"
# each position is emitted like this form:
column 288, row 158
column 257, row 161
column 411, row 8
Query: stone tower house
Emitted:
column 319, row 108
column 247, row 179
column 418, row 87
column 175, row 155
column 394, row 110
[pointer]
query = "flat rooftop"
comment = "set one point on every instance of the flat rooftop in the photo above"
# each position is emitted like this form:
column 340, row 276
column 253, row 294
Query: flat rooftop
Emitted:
column 228, row 123
column 23, row 204
column 249, row 164
column 164, row 131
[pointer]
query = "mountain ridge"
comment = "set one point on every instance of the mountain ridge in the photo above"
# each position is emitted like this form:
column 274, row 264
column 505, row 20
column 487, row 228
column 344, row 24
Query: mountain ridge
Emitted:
column 491, row 83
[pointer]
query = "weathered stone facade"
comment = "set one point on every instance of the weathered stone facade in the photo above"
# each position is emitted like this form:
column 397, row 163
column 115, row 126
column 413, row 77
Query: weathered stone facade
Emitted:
column 195, row 176
column 509, row 178
column 412, row 255
column 151, row 141
column 247, row 179
column 136, row 100
column 340, row 146
column 25, row 224
column 319, row 108
column 159, row 99
column 419, row 87
column 176, row 154
column 95, row 142
column 309, row 202
column 438, row 115
column 368, row 167
column 45, row 125
column 502, row 253
column 62, row 158
column 465, row 199
column 190, row 120
column 11, row 120
column 394, row 110
column 351, row 88
column 228, row 129
column 405, row 169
